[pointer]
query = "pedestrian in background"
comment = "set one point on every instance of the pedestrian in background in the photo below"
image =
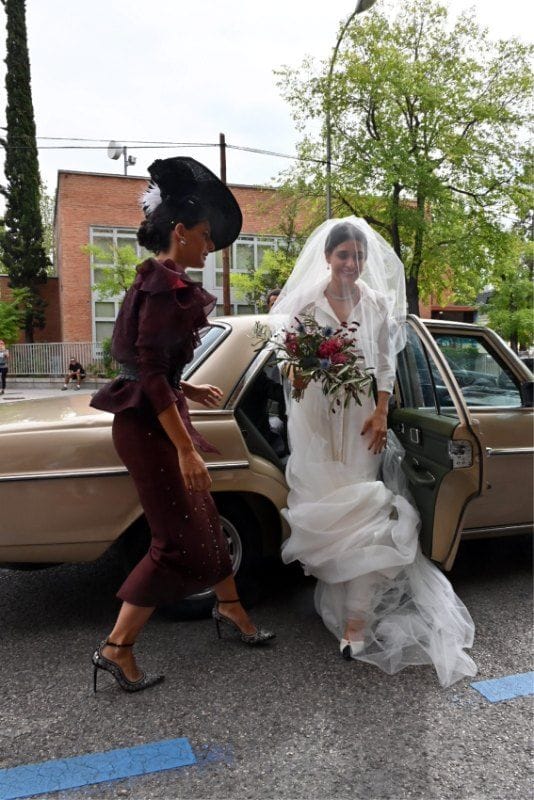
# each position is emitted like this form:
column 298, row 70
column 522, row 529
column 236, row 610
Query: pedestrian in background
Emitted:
column 75, row 372
column 272, row 297
column 189, row 213
column 4, row 360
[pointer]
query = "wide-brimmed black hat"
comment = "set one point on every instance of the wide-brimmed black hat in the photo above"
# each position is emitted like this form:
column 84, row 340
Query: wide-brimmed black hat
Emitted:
column 181, row 177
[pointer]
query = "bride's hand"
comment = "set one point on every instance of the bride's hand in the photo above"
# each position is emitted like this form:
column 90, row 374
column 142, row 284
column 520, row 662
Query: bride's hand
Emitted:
column 377, row 426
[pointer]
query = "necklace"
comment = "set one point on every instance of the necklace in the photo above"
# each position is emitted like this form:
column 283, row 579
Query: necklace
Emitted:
column 352, row 296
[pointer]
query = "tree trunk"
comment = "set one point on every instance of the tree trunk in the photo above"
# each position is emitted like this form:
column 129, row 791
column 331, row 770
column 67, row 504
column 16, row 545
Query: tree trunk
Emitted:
column 412, row 295
column 514, row 342
column 395, row 233
column 412, row 283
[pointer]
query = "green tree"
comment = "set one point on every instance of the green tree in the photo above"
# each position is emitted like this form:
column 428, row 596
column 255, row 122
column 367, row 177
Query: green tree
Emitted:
column 254, row 285
column 116, row 280
column 427, row 119
column 23, row 252
column 13, row 315
column 276, row 265
column 511, row 306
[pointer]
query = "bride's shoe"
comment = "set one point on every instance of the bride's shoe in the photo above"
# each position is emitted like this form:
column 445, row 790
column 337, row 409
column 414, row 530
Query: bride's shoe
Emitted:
column 350, row 649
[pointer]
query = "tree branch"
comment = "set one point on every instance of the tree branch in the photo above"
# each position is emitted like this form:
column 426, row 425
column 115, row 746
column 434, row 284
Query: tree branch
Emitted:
column 367, row 217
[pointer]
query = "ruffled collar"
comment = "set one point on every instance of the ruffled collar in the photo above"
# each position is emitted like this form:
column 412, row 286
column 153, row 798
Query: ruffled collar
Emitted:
column 155, row 276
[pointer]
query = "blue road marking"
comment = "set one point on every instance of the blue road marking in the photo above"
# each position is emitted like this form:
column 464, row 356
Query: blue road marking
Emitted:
column 71, row 773
column 506, row 688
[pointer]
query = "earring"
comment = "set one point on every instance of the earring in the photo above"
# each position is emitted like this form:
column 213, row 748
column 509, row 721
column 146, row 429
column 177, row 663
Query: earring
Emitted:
column 183, row 241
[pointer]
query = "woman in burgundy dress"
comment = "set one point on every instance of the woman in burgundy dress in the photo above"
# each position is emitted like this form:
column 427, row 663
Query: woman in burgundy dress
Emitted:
column 189, row 213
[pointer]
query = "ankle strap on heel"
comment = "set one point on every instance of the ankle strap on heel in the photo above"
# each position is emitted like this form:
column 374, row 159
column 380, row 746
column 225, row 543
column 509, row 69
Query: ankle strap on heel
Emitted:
column 108, row 643
column 238, row 600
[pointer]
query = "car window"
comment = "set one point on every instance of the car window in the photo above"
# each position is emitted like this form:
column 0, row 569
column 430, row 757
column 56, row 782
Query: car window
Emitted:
column 419, row 380
column 210, row 338
column 261, row 414
column 482, row 376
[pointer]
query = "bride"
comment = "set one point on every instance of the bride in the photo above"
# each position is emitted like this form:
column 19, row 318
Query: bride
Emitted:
column 353, row 525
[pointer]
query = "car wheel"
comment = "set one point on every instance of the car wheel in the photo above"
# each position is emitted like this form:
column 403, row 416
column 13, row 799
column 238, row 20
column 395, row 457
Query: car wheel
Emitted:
column 240, row 528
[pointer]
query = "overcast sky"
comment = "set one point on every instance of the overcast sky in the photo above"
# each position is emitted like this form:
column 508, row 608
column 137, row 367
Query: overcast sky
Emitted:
column 169, row 70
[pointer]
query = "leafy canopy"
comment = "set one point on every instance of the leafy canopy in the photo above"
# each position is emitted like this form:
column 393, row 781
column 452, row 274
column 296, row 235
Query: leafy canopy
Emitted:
column 427, row 122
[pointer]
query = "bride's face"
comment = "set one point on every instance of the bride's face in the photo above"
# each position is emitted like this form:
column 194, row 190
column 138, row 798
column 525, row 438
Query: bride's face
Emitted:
column 347, row 261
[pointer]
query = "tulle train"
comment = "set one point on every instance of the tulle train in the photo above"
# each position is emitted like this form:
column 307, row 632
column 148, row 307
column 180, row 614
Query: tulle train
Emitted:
column 360, row 539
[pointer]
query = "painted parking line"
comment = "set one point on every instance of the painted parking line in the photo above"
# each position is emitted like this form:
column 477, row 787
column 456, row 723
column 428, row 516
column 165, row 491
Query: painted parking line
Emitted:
column 72, row 773
column 506, row 688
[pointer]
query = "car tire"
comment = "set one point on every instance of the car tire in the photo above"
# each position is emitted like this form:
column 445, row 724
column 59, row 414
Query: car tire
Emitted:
column 242, row 531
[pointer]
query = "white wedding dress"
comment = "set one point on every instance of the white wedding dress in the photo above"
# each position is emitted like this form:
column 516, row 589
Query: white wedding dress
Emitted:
column 358, row 533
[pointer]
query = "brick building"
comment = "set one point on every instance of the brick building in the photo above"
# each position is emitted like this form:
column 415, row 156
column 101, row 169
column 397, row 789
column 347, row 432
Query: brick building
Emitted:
column 103, row 210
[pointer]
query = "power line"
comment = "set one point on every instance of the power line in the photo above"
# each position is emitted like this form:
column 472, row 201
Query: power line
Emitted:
column 145, row 144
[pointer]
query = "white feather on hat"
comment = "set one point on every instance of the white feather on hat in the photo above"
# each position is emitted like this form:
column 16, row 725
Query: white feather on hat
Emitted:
column 151, row 198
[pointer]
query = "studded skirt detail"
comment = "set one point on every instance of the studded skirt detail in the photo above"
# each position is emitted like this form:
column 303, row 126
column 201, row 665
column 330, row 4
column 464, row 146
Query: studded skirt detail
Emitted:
column 188, row 552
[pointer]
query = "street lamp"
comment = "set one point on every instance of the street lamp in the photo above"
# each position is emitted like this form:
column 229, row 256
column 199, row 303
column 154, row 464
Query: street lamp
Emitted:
column 361, row 6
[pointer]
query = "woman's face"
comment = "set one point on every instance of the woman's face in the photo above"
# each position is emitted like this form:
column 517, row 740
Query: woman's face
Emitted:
column 347, row 261
column 198, row 245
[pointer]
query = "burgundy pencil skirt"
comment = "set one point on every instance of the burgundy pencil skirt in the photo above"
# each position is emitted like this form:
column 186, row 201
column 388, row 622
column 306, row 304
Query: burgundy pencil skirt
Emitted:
column 188, row 552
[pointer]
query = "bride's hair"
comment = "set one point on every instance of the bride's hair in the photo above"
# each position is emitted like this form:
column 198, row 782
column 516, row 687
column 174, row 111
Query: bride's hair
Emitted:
column 342, row 232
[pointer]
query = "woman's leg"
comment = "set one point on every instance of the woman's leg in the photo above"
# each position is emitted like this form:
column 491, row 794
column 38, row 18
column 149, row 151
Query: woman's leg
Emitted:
column 129, row 623
column 227, row 590
column 358, row 598
column 4, row 374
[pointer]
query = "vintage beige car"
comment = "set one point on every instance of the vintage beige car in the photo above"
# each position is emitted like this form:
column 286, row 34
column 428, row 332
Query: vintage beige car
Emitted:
column 462, row 409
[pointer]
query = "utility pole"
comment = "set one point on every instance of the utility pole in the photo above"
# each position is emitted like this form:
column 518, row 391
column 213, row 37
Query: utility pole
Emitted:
column 227, row 307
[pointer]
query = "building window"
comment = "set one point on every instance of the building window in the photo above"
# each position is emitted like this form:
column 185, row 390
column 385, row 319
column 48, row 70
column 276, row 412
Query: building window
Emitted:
column 108, row 240
column 246, row 255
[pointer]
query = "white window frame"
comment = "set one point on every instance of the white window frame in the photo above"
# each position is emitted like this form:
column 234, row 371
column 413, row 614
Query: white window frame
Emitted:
column 257, row 240
column 115, row 233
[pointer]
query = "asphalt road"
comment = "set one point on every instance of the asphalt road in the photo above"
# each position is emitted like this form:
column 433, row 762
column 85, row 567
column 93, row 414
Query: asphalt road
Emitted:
column 290, row 721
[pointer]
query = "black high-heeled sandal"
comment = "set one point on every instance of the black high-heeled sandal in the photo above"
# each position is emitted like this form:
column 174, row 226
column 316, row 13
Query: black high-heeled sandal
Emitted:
column 101, row 662
column 259, row 637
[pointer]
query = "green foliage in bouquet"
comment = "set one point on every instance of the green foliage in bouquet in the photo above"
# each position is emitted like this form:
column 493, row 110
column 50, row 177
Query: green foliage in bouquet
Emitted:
column 313, row 352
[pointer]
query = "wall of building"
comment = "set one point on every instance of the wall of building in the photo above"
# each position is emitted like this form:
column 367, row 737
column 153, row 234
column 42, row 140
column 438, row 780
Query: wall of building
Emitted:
column 85, row 200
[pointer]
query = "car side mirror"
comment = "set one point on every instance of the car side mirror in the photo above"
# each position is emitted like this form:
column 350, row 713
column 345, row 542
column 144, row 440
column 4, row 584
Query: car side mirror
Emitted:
column 526, row 390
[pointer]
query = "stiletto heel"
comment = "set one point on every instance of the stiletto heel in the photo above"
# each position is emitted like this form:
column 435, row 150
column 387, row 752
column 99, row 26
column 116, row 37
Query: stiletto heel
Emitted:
column 101, row 662
column 259, row 637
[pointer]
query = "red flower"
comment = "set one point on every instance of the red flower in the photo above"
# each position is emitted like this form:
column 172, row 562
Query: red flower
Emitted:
column 292, row 343
column 339, row 358
column 329, row 347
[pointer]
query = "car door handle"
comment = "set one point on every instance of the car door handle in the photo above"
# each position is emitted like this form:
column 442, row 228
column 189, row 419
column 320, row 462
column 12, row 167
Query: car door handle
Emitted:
column 417, row 474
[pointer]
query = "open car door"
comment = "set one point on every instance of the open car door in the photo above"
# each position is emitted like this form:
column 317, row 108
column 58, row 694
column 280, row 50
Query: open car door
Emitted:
column 442, row 460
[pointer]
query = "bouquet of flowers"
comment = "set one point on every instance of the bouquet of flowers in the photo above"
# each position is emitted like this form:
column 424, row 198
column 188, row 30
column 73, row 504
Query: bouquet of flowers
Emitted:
column 313, row 352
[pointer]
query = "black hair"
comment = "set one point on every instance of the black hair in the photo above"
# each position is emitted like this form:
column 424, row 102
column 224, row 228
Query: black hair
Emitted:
column 273, row 293
column 155, row 231
column 342, row 232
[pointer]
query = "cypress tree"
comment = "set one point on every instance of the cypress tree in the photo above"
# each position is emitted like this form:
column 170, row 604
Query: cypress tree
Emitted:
column 23, row 252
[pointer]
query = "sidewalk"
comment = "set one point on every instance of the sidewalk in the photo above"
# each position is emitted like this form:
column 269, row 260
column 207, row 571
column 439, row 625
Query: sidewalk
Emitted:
column 16, row 393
